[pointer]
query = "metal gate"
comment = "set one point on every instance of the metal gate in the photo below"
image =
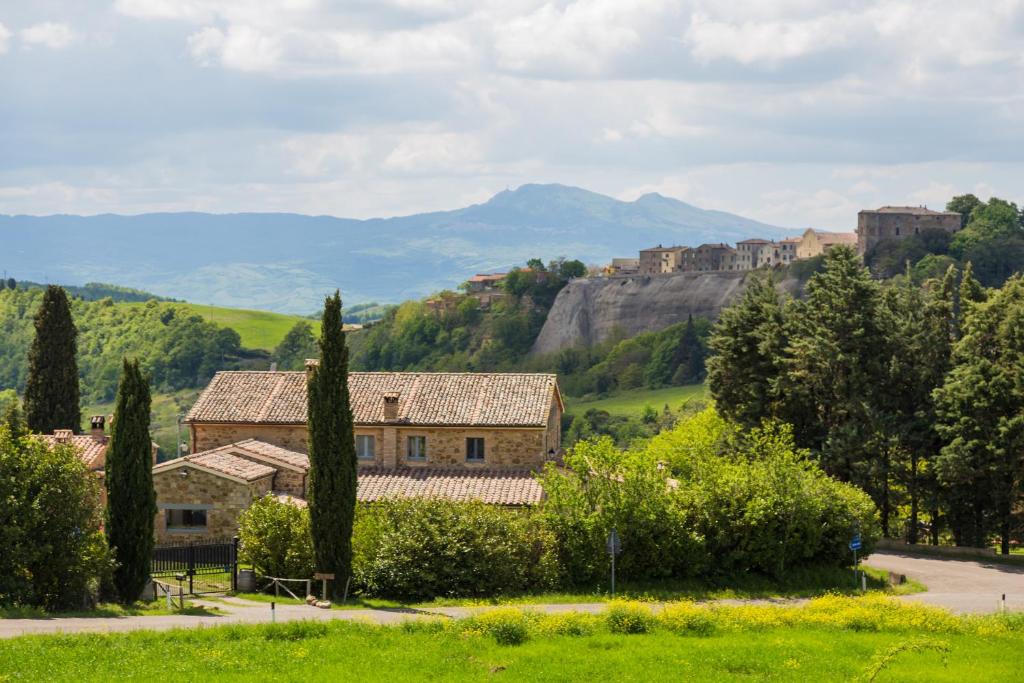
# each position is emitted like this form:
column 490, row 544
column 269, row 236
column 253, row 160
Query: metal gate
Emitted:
column 207, row 567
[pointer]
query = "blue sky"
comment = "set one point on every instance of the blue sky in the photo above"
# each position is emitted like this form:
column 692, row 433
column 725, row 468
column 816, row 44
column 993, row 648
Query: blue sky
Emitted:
column 793, row 112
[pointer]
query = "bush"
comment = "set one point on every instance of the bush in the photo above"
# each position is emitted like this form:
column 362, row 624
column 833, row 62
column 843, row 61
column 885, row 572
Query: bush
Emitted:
column 275, row 539
column 629, row 617
column 417, row 549
column 686, row 618
column 53, row 552
column 507, row 625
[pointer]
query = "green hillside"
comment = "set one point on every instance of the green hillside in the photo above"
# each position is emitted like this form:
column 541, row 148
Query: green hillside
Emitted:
column 258, row 329
column 631, row 403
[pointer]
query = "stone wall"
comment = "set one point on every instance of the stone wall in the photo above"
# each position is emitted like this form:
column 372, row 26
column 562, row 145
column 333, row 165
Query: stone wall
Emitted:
column 208, row 436
column 224, row 498
column 873, row 226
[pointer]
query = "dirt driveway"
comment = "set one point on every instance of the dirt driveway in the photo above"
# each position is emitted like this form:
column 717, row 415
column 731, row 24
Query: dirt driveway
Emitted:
column 965, row 586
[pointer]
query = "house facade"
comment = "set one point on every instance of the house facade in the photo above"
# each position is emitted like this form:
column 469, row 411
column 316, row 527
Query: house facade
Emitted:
column 816, row 242
column 659, row 259
column 414, row 419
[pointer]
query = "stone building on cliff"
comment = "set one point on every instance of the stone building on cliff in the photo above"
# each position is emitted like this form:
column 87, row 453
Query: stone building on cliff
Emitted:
column 900, row 222
column 454, row 435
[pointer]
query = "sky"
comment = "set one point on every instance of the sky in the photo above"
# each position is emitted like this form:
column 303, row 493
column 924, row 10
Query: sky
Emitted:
column 793, row 112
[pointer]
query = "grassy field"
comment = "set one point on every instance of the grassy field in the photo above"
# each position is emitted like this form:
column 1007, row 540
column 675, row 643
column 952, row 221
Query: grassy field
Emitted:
column 631, row 403
column 838, row 640
column 258, row 329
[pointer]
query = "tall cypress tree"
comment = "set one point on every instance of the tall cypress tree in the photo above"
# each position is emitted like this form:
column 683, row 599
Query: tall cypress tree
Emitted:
column 332, row 451
column 51, row 392
column 131, row 499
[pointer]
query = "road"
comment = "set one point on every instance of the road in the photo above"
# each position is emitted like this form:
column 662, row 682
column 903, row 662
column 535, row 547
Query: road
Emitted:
column 963, row 586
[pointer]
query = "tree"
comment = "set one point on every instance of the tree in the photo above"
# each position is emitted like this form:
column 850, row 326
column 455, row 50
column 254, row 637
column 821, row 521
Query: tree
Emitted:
column 993, row 240
column 964, row 205
column 51, row 392
column 746, row 348
column 332, row 451
column 53, row 552
column 981, row 408
column 11, row 283
column 298, row 345
column 834, row 367
column 131, row 499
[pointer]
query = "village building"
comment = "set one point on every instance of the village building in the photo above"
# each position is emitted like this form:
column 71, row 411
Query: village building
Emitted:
column 659, row 259
column 710, row 257
column 816, row 242
column 900, row 222
column 753, row 253
column 623, row 266
column 486, row 288
column 456, row 435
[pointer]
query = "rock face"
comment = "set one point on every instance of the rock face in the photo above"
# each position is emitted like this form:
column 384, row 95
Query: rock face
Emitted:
column 588, row 311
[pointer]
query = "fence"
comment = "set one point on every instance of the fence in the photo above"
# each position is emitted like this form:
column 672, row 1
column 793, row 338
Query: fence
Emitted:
column 209, row 567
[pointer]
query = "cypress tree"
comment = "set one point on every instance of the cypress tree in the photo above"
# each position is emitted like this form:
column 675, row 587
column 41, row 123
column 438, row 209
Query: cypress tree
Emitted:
column 332, row 451
column 131, row 499
column 51, row 392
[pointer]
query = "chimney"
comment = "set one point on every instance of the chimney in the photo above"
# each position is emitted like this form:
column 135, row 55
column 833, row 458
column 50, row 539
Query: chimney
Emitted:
column 97, row 422
column 391, row 406
column 311, row 364
column 62, row 435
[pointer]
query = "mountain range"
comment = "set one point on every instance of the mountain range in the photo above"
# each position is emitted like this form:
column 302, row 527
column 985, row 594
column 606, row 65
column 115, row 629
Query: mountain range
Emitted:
column 288, row 262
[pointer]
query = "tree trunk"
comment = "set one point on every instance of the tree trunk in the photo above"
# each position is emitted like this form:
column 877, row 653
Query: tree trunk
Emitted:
column 935, row 525
column 886, row 507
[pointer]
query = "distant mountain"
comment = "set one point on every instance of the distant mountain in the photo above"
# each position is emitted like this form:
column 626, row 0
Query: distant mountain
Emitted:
column 288, row 262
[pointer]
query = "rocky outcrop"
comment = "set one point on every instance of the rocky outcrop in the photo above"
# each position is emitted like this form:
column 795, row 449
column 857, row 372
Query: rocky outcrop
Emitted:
column 588, row 311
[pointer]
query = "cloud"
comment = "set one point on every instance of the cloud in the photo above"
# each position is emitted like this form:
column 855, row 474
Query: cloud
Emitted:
column 753, row 42
column 5, row 38
column 55, row 36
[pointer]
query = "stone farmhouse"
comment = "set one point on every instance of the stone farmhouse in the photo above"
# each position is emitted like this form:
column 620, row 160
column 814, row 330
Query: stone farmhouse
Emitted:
column 455, row 435
column 899, row 222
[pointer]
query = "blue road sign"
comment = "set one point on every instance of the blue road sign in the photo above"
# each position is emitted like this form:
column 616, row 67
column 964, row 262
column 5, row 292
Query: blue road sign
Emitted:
column 855, row 543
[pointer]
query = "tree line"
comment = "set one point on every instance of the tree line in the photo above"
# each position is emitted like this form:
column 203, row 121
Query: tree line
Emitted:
column 915, row 393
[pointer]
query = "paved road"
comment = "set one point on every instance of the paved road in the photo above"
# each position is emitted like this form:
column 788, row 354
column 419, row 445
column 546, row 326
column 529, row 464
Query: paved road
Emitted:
column 964, row 586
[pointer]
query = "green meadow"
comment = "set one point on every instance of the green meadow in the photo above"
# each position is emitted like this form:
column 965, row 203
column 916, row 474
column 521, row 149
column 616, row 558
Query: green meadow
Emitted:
column 631, row 403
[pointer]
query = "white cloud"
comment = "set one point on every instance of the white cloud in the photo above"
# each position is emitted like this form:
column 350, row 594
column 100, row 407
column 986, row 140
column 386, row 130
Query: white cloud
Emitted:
column 5, row 38
column 752, row 42
column 55, row 36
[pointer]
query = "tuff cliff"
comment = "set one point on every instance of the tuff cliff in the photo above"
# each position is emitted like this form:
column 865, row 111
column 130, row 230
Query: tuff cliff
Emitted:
column 588, row 311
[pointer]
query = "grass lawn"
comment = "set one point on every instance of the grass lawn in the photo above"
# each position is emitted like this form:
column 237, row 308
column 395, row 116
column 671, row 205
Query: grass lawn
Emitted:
column 554, row 648
column 631, row 403
column 804, row 583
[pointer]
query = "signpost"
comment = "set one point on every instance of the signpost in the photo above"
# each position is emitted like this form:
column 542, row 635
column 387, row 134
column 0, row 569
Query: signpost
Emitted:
column 324, row 577
column 855, row 546
column 614, row 547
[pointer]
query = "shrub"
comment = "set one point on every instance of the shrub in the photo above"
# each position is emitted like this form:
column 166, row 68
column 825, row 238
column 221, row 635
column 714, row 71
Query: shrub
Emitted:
column 417, row 549
column 507, row 625
column 629, row 617
column 275, row 538
column 54, row 554
column 569, row 624
column 687, row 618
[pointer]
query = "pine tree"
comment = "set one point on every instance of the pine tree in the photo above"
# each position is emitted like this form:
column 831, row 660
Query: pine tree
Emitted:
column 834, row 368
column 131, row 499
column 332, row 453
column 746, row 347
column 51, row 391
column 981, row 405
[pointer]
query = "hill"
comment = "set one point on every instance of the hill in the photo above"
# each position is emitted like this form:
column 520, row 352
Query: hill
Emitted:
column 288, row 262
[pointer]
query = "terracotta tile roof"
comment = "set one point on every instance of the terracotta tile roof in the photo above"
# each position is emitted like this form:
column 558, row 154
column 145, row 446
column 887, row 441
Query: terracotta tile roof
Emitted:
column 269, row 453
column 496, row 487
column 91, row 449
column 429, row 399
column 221, row 461
column 488, row 277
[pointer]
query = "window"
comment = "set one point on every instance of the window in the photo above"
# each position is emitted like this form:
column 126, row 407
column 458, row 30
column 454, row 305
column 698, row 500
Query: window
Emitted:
column 186, row 519
column 365, row 447
column 475, row 449
column 416, row 448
